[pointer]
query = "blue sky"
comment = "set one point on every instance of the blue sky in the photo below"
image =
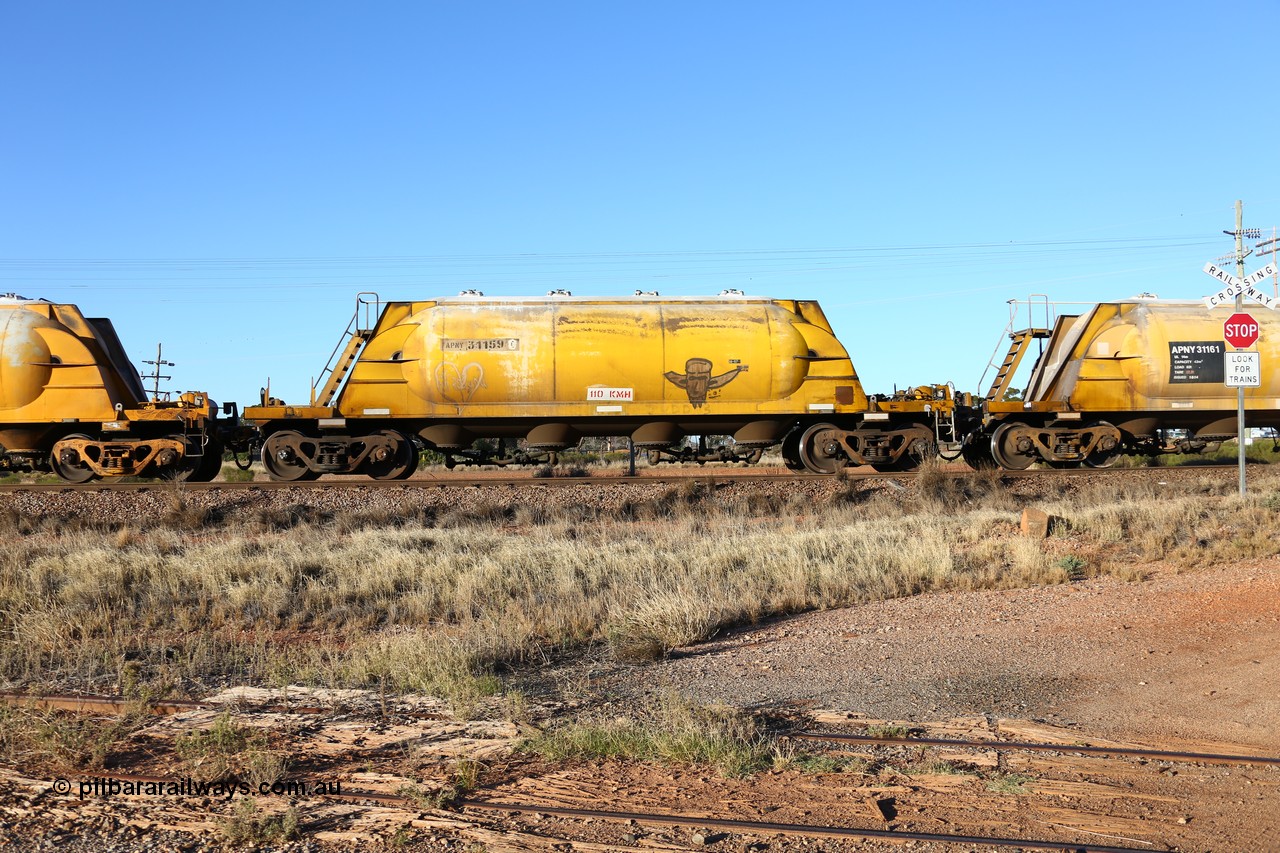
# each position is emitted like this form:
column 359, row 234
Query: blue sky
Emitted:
column 225, row 177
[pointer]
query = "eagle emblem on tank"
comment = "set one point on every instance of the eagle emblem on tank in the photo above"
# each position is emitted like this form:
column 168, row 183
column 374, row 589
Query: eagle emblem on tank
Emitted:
column 697, row 379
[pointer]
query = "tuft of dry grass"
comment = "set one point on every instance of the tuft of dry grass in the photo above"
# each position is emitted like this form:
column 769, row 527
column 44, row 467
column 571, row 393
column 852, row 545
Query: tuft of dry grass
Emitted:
column 943, row 491
column 227, row 751
column 438, row 603
column 60, row 742
column 677, row 733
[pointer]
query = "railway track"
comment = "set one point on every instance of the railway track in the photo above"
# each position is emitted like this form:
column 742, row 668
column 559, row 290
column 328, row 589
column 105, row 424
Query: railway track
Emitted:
column 705, row 829
column 1007, row 746
column 701, row 828
column 93, row 703
column 452, row 481
column 763, row 828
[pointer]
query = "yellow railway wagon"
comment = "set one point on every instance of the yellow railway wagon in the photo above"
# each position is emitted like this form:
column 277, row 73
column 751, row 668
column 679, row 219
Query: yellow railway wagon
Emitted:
column 538, row 374
column 1140, row 376
column 72, row 403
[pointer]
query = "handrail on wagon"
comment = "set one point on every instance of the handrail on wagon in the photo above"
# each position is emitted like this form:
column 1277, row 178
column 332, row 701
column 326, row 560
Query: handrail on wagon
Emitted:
column 344, row 355
column 1007, row 356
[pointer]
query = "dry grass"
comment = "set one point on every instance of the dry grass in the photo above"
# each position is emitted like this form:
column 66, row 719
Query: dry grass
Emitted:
column 734, row 743
column 59, row 743
column 229, row 751
column 435, row 604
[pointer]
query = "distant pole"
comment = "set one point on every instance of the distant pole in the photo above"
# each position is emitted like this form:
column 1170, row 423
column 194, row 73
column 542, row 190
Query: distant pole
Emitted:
column 1269, row 247
column 157, row 375
column 1240, row 307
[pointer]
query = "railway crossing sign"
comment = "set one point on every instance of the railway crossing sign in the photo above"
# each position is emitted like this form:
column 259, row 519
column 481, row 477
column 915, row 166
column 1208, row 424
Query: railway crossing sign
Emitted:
column 1236, row 286
column 1240, row 368
column 1240, row 330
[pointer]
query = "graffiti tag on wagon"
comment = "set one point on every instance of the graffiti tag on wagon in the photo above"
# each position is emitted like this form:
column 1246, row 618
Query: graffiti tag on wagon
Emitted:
column 480, row 344
column 697, row 380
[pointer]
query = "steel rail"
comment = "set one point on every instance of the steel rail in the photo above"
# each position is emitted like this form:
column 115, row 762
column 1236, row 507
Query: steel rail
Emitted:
column 99, row 704
column 527, row 481
column 91, row 704
column 797, row 829
column 440, row 483
column 1009, row 745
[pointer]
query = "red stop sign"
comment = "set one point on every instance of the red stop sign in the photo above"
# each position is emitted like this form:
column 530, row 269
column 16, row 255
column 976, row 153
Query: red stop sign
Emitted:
column 1240, row 330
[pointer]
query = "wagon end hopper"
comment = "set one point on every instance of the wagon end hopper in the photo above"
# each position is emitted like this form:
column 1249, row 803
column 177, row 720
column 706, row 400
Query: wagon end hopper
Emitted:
column 535, row 375
column 72, row 403
column 1143, row 376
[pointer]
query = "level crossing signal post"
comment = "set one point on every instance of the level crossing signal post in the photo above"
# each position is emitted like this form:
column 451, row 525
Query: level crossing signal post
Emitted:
column 1243, row 368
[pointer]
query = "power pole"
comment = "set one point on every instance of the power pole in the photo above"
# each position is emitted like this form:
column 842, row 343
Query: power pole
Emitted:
column 157, row 376
column 1270, row 247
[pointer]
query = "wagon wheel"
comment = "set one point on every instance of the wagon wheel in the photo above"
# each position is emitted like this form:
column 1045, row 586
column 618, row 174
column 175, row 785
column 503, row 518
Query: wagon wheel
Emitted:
column 210, row 464
column 1104, row 456
column 68, row 464
column 281, row 459
column 791, row 450
column 1009, row 450
column 395, row 463
column 820, row 449
column 195, row 469
column 976, row 453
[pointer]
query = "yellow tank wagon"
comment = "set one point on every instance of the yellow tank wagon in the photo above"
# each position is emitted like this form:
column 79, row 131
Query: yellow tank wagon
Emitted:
column 1141, row 376
column 72, row 403
column 538, row 374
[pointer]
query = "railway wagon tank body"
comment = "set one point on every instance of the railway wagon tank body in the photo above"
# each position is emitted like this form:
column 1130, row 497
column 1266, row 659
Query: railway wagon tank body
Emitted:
column 548, row 371
column 1141, row 376
column 71, row 402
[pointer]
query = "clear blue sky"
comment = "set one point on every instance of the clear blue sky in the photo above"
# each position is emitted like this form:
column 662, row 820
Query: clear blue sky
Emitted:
column 225, row 177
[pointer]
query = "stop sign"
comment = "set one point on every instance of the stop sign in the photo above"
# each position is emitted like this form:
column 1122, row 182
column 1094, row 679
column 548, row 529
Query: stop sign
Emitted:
column 1240, row 330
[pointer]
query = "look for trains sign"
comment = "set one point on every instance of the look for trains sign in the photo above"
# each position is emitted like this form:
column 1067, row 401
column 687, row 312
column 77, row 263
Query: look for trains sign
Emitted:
column 1240, row 330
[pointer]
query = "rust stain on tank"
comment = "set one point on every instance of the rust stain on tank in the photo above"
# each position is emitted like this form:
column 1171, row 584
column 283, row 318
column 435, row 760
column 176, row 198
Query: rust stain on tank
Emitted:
column 676, row 324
